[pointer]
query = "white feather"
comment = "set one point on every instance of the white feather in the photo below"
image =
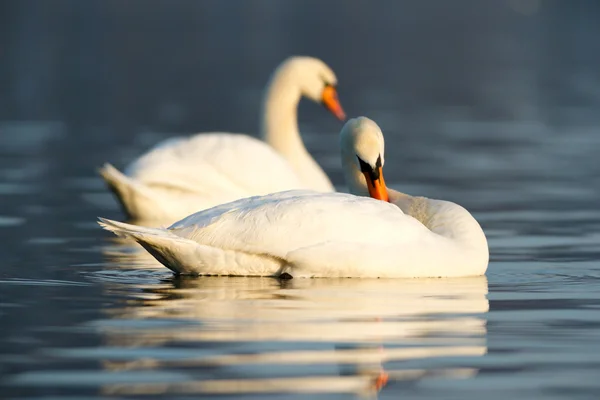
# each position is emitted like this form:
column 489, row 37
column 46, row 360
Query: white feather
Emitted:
column 312, row 234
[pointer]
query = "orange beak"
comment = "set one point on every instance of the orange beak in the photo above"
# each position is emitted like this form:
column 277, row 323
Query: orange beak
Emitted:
column 381, row 380
column 332, row 103
column 377, row 188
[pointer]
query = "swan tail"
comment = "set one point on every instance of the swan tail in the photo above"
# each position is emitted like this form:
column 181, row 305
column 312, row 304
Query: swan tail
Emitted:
column 132, row 231
column 187, row 257
column 172, row 251
column 136, row 200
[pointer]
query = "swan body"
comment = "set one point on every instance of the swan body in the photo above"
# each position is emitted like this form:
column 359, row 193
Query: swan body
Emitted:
column 312, row 234
column 183, row 175
column 206, row 173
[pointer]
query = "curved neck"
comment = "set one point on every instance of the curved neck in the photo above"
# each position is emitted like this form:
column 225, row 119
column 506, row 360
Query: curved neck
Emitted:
column 279, row 124
column 444, row 218
column 279, row 129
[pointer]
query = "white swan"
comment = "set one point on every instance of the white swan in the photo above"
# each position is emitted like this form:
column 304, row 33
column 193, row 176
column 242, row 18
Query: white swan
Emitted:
column 310, row 234
column 183, row 175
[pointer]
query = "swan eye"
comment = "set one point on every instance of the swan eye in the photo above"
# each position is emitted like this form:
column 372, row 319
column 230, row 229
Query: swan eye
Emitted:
column 368, row 170
column 364, row 167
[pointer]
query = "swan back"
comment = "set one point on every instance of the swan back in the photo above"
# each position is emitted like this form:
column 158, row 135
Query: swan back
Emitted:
column 313, row 234
column 281, row 222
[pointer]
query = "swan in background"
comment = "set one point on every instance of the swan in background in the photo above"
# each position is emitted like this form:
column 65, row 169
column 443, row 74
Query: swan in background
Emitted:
column 309, row 234
column 186, row 174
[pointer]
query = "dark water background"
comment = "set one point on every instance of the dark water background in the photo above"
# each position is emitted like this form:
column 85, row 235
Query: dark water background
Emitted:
column 491, row 104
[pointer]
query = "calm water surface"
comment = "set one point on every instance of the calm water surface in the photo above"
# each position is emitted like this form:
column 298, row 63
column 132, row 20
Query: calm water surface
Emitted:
column 86, row 316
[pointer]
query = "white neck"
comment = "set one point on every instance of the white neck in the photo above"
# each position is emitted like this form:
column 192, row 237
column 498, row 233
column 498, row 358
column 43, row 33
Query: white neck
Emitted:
column 279, row 124
column 449, row 220
column 279, row 129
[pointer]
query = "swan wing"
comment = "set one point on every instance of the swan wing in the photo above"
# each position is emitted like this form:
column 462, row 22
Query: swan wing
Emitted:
column 318, row 234
column 181, row 176
column 232, row 165
column 307, row 234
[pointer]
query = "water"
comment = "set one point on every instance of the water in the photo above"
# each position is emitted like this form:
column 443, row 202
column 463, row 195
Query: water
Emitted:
column 85, row 315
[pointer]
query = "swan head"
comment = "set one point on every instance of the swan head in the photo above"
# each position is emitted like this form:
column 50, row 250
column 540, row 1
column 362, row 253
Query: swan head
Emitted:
column 314, row 80
column 363, row 148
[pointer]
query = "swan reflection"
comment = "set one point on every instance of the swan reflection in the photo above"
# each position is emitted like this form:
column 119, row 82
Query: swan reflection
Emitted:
column 244, row 335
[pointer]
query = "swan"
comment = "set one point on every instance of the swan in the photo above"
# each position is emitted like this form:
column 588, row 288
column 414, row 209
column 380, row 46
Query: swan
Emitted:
column 302, row 233
column 185, row 174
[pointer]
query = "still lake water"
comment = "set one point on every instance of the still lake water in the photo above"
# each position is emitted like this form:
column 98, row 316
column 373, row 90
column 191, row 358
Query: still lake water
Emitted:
column 86, row 316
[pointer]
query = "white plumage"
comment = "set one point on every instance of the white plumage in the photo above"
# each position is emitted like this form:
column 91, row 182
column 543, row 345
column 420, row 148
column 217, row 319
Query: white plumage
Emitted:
column 311, row 234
